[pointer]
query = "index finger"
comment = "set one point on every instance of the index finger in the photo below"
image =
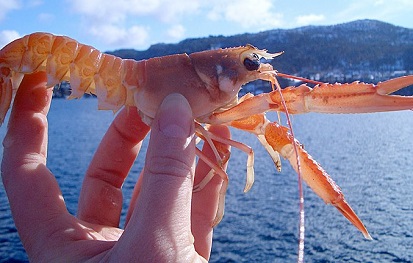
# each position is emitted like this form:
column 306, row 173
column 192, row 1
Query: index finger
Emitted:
column 205, row 202
column 31, row 188
column 100, row 200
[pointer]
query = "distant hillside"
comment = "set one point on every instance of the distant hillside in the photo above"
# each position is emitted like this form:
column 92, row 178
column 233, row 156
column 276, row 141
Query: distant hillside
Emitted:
column 355, row 45
column 366, row 50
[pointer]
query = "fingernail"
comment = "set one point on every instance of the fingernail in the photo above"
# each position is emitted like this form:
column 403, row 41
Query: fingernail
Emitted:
column 175, row 117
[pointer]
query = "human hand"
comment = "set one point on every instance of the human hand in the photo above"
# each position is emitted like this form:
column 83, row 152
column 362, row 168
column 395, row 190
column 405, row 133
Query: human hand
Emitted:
column 167, row 222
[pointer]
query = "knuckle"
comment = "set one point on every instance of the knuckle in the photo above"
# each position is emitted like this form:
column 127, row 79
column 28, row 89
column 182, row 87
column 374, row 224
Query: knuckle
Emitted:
column 171, row 166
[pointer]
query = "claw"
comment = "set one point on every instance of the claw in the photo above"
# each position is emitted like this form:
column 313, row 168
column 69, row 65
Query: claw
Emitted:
column 312, row 173
column 348, row 212
column 278, row 141
column 393, row 85
column 353, row 97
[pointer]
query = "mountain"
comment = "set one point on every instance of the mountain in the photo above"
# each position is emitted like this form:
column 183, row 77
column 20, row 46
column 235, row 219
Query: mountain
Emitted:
column 366, row 50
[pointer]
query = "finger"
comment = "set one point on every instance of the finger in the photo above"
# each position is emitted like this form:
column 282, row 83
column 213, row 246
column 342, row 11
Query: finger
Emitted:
column 33, row 192
column 100, row 201
column 161, row 218
column 134, row 198
column 205, row 202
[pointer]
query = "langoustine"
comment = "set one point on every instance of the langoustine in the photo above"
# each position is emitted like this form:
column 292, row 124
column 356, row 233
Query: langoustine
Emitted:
column 210, row 81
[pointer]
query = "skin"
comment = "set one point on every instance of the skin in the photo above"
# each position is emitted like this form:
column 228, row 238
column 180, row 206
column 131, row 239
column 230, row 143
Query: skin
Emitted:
column 166, row 221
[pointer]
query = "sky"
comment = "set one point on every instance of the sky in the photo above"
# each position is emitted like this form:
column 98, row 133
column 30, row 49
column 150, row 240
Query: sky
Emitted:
column 114, row 24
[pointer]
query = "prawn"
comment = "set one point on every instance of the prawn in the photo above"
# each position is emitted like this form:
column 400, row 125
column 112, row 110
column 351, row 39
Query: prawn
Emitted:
column 210, row 81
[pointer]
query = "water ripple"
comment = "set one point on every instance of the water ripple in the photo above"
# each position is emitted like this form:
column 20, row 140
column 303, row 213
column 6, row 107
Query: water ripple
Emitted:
column 369, row 156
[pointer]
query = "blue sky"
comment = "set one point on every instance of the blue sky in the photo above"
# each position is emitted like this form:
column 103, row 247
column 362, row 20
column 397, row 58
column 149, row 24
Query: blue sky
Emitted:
column 114, row 24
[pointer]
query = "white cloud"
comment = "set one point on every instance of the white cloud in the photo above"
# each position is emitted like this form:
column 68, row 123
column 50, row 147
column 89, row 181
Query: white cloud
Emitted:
column 247, row 13
column 379, row 2
column 119, row 37
column 107, row 20
column 6, row 36
column 122, row 22
column 309, row 19
column 117, row 11
column 8, row 5
column 34, row 3
column 174, row 11
column 45, row 17
column 394, row 3
column 176, row 32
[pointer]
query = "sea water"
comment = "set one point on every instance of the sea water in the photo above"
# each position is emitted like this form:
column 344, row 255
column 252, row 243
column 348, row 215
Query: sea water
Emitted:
column 369, row 155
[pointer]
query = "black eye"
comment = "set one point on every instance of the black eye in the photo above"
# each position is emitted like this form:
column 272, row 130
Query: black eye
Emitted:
column 252, row 64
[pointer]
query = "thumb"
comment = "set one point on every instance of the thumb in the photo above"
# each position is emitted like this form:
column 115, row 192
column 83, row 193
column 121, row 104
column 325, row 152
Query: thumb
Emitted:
column 171, row 146
column 161, row 217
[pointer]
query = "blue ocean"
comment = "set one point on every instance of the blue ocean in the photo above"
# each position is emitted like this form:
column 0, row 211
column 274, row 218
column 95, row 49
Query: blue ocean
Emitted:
column 369, row 155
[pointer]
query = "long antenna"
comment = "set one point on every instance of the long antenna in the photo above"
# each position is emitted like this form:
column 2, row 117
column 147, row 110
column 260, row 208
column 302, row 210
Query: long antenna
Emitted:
column 301, row 230
column 287, row 76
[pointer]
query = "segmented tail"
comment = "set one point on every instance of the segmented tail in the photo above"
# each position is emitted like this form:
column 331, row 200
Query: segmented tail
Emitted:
column 88, row 70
